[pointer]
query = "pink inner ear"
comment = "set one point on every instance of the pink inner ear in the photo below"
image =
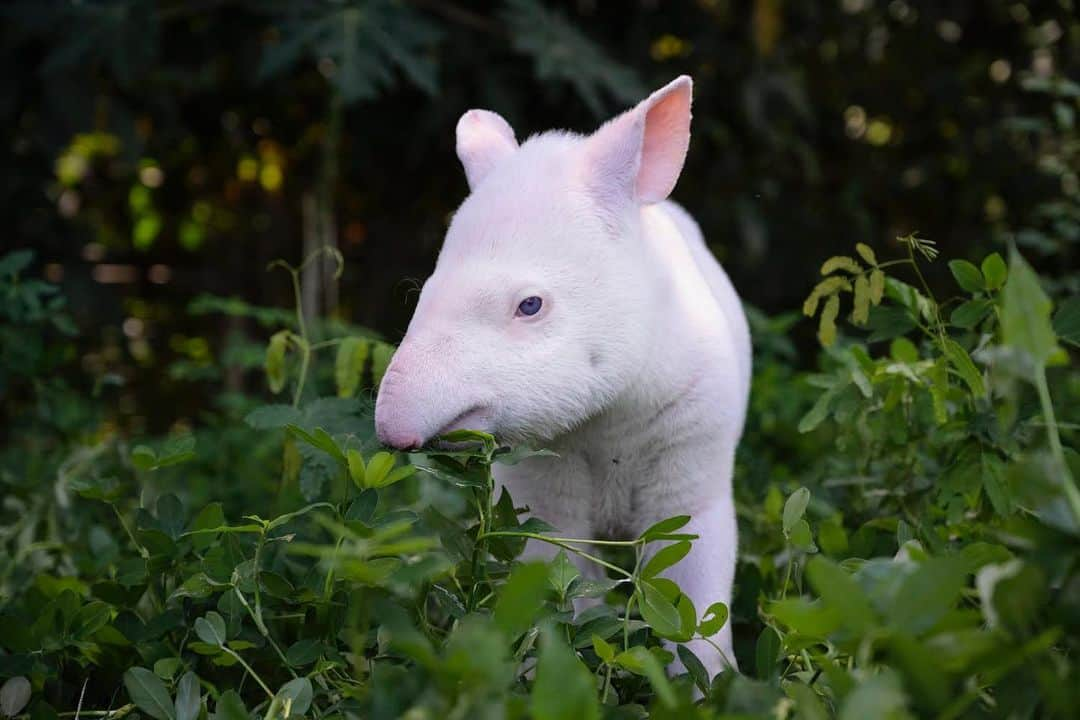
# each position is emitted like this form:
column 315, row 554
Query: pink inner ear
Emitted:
column 666, row 140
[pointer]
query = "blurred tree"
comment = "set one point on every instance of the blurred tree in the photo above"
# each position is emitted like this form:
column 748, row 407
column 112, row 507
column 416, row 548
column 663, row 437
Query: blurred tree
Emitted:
column 155, row 150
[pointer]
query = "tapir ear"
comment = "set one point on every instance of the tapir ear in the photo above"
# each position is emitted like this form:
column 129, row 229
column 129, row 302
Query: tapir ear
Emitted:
column 483, row 140
column 641, row 152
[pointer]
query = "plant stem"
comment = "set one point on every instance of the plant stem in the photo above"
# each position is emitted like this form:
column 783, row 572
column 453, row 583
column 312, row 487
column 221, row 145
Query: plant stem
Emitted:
column 263, row 630
column 118, row 712
column 787, row 573
column 305, row 360
column 939, row 325
column 562, row 544
column 1072, row 495
column 252, row 673
column 723, row 655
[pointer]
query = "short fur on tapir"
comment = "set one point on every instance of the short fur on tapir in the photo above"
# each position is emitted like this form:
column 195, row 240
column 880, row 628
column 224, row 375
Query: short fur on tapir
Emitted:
column 636, row 369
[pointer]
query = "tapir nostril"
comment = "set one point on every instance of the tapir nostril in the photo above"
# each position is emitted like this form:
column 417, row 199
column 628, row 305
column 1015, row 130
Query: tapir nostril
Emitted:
column 400, row 440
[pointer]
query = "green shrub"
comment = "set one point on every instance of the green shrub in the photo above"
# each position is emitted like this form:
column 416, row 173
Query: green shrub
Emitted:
column 909, row 515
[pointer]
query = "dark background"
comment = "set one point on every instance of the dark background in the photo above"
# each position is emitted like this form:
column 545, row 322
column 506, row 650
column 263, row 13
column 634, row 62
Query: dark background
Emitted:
column 156, row 151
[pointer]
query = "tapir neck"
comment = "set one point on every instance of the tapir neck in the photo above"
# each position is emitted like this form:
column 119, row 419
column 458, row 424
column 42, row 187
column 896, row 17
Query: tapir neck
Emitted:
column 667, row 372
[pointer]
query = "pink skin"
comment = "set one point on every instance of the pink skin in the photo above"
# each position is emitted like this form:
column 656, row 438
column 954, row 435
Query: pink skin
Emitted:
column 636, row 368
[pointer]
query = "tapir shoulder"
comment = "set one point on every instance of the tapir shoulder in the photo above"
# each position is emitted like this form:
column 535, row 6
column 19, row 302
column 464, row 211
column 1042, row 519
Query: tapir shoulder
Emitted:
column 720, row 285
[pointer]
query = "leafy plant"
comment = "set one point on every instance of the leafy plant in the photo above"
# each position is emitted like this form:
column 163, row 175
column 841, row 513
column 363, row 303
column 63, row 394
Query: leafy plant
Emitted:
column 916, row 557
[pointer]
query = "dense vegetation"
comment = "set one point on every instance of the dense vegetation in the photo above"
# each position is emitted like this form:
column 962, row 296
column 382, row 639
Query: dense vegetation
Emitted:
column 918, row 556
column 196, row 520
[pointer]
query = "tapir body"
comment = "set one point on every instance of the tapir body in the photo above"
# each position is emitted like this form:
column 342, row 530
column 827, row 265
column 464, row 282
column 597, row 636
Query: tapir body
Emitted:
column 574, row 307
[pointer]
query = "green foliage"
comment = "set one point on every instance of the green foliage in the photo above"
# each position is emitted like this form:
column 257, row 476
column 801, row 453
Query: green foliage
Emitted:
column 363, row 41
column 561, row 52
column 916, row 559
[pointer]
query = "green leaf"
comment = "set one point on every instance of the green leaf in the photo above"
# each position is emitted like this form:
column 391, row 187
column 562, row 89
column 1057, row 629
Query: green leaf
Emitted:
column 357, row 469
column 176, row 450
column 878, row 696
column 695, row 668
column 1067, row 320
column 964, row 367
column 380, row 360
column 563, row 53
column 165, row 668
column 289, row 516
column 664, row 527
column 211, row 629
column 363, row 507
column 211, row 516
column 397, row 475
column 170, row 515
column 795, row 508
column 564, row 687
column 994, row 484
column 148, row 693
column 89, row 619
column 15, row 262
column 271, row 417
column 808, row 619
column 827, row 321
column 349, row 365
column 801, row 537
column 230, row 707
column 938, row 375
column 866, row 253
column 994, row 271
column 832, row 538
column 714, row 619
column 860, row 314
column 839, row 591
column 924, row 676
column 320, row 439
column 274, row 364
column 304, row 652
column 603, row 649
column 928, row 593
column 14, row 695
column 658, row 611
column 1025, row 314
column 903, row 350
column 514, row 455
column 828, row 287
column 640, row 661
column 521, row 598
column 817, row 414
column 562, row 573
column 294, row 697
column 766, row 653
column 807, row 702
column 969, row 314
column 188, row 697
column 143, row 457
column 889, row 321
column 877, row 286
column 665, row 558
column 840, row 262
column 967, row 275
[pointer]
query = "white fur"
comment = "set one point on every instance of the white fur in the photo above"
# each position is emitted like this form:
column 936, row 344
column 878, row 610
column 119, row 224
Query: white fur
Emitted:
column 636, row 371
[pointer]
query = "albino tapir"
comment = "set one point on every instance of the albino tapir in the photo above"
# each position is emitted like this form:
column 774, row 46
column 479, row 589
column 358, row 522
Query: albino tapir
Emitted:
column 574, row 307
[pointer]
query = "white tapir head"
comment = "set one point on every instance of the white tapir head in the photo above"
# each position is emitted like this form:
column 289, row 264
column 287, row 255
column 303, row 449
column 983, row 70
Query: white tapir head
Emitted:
column 542, row 303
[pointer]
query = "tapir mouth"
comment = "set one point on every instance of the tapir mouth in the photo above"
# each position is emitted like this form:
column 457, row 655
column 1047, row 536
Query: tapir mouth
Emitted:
column 477, row 417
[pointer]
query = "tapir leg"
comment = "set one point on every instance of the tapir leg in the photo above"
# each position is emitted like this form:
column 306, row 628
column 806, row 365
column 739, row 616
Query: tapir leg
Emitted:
column 706, row 575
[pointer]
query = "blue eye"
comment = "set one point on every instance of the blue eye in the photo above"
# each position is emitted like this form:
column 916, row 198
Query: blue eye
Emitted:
column 530, row 306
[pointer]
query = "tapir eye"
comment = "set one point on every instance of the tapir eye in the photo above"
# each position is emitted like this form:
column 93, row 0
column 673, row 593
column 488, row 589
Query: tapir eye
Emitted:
column 530, row 306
